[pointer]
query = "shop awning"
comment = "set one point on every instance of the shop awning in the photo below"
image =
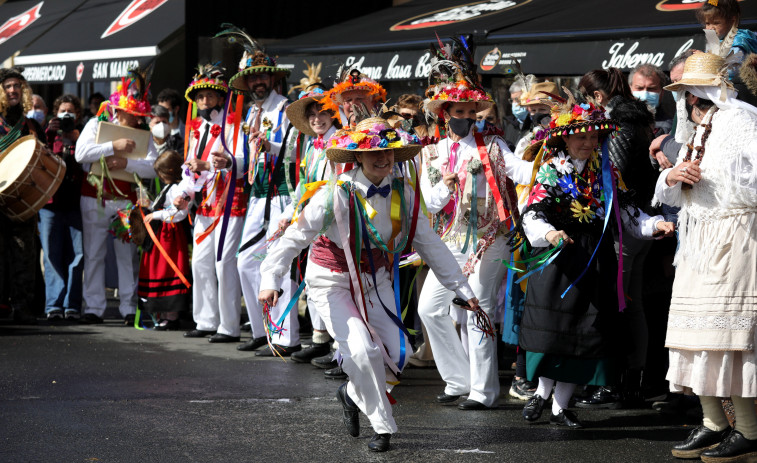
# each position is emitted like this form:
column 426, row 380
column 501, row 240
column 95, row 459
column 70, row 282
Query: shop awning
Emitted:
column 26, row 21
column 553, row 37
column 101, row 40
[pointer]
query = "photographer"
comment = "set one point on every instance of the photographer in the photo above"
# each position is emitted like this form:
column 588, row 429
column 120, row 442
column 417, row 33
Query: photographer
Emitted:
column 60, row 220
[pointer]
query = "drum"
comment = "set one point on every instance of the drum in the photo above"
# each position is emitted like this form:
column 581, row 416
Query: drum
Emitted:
column 29, row 176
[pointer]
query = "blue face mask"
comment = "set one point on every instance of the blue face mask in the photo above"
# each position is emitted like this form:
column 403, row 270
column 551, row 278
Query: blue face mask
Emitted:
column 170, row 118
column 38, row 115
column 675, row 95
column 650, row 98
column 480, row 125
column 520, row 112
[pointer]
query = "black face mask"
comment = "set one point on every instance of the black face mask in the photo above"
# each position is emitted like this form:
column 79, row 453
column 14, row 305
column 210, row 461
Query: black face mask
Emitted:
column 206, row 113
column 460, row 127
column 541, row 119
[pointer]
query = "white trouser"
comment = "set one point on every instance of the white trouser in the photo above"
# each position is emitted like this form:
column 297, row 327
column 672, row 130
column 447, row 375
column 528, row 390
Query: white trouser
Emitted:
column 249, row 272
column 216, row 292
column 477, row 376
column 315, row 318
column 361, row 357
column 95, row 222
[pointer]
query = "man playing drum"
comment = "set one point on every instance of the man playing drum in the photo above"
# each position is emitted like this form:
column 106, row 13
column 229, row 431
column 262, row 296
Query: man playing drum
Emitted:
column 17, row 247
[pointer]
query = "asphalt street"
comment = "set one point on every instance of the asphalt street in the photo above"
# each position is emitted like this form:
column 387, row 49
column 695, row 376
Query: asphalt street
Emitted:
column 110, row 393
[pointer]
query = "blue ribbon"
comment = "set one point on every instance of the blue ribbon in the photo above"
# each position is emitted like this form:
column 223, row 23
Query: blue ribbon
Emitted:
column 608, row 192
column 292, row 302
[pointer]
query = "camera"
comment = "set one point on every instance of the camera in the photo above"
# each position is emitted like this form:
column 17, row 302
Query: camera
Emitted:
column 67, row 123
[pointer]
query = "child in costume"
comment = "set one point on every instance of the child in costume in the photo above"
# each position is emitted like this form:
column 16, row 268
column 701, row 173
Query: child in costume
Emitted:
column 161, row 290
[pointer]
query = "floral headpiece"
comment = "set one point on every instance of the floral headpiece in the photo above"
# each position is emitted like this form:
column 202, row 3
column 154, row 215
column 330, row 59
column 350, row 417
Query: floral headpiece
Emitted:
column 372, row 134
column 132, row 95
column 570, row 117
column 254, row 59
column 453, row 78
column 208, row 76
column 352, row 79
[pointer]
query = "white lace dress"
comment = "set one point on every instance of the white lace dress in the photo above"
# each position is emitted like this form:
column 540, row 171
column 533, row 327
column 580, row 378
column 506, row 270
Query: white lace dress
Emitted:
column 713, row 312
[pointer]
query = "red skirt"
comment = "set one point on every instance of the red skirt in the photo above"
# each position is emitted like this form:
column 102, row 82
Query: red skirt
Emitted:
column 160, row 289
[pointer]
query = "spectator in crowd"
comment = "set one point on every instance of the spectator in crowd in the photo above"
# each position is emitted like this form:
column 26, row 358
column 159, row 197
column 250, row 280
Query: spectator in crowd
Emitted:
column 17, row 239
column 647, row 81
column 409, row 107
column 38, row 111
column 517, row 124
column 535, row 102
column 163, row 136
column 60, row 225
column 171, row 100
column 93, row 106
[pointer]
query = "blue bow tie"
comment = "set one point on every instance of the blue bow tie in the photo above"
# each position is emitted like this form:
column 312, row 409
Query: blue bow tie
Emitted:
column 383, row 191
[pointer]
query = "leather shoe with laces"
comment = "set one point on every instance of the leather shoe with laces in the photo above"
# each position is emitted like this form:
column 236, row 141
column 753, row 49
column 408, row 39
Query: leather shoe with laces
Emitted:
column 350, row 412
column 198, row 333
column 699, row 440
column 253, row 344
column 735, row 448
column 566, row 418
column 472, row 405
column 311, row 352
column 335, row 373
column 445, row 398
column 603, row 397
column 379, row 442
column 534, row 406
column 326, row 362
column 220, row 337
column 284, row 351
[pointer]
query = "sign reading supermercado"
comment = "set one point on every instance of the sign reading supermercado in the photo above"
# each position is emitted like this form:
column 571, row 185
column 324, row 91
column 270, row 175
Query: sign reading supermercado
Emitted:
column 406, row 65
column 77, row 71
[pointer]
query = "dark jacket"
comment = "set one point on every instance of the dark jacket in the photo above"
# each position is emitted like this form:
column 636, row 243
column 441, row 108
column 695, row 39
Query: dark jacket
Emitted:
column 629, row 149
column 515, row 130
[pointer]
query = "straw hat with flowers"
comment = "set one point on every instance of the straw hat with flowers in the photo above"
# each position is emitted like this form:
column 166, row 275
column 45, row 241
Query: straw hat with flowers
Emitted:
column 372, row 134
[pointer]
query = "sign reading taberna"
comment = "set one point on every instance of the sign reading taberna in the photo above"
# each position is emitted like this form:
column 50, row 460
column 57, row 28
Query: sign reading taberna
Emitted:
column 575, row 58
column 456, row 14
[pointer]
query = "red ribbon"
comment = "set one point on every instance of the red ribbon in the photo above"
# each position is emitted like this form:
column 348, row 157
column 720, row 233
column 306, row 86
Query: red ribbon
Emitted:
column 483, row 153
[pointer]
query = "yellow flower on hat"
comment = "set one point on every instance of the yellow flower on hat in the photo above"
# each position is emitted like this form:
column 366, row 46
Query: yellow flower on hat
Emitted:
column 564, row 119
column 357, row 137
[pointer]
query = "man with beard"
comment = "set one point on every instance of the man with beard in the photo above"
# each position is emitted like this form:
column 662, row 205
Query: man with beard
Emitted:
column 264, row 131
column 215, row 291
column 17, row 246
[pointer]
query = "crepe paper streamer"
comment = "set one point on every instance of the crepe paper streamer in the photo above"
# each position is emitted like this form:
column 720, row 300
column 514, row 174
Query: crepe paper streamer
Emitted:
column 268, row 324
column 483, row 324
column 163, row 252
column 138, row 321
column 230, row 185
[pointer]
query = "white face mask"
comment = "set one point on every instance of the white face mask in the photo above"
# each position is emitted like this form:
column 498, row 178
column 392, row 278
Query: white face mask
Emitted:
column 63, row 115
column 160, row 130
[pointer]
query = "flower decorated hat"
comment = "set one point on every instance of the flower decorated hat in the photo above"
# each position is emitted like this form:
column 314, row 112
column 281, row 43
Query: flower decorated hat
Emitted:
column 312, row 91
column 538, row 93
column 132, row 95
column 254, row 58
column 351, row 79
column 570, row 117
column 453, row 78
column 209, row 76
column 372, row 134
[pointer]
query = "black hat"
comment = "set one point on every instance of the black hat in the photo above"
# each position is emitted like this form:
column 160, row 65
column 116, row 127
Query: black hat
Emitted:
column 15, row 71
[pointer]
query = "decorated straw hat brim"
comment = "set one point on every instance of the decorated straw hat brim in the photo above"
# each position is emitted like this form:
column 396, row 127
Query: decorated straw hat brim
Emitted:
column 696, row 82
column 435, row 106
column 237, row 81
column 296, row 114
column 343, row 155
column 603, row 127
column 193, row 89
column 130, row 111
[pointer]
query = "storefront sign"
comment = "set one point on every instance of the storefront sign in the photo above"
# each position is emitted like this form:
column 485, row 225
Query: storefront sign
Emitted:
column 457, row 14
column 681, row 5
column 490, row 59
column 19, row 22
column 407, row 65
column 82, row 71
column 136, row 10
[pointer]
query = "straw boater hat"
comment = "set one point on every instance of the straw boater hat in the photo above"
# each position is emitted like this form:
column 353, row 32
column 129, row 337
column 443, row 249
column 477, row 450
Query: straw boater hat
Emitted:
column 254, row 59
column 131, row 95
column 538, row 93
column 704, row 70
column 372, row 134
column 351, row 79
column 296, row 112
column 209, row 76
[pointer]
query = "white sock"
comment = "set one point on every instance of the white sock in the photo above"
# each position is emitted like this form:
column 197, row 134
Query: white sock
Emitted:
column 320, row 337
column 746, row 418
column 563, row 393
column 544, row 389
column 714, row 416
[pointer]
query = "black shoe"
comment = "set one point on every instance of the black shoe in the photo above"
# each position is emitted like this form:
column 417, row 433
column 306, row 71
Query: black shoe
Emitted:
column 566, row 418
column 604, row 397
column 91, row 319
column 534, row 406
column 310, row 353
column 326, row 362
column 445, row 398
column 699, row 440
column 22, row 317
column 379, row 442
column 198, row 333
column 734, row 448
column 335, row 373
column 220, row 337
column 129, row 320
column 472, row 405
column 253, row 344
column 522, row 389
column 168, row 325
column 350, row 413
column 284, row 351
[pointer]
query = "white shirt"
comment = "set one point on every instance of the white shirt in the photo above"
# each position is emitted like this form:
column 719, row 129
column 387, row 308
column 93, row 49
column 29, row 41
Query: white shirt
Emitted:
column 272, row 108
column 87, row 152
column 170, row 213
